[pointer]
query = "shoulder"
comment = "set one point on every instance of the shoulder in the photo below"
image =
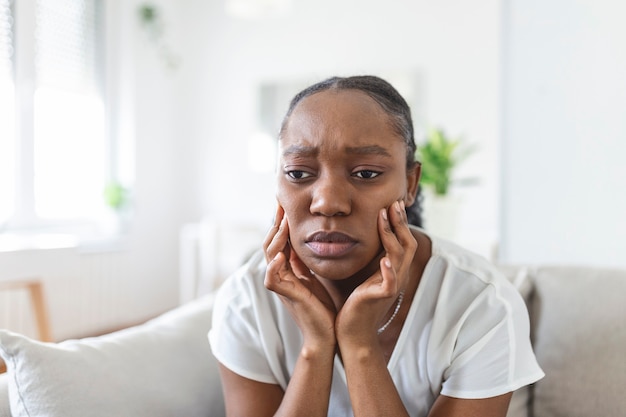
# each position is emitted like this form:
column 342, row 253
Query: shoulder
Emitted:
column 464, row 279
column 244, row 289
column 461, row 263
column 245, row 335
column 246, row 276
column 478, row 324
column 244, row 309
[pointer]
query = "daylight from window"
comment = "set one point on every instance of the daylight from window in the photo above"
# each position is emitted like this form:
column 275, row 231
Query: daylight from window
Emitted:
column 7, row 114
column 69, row 154
column 55, row 154
column 7, row 149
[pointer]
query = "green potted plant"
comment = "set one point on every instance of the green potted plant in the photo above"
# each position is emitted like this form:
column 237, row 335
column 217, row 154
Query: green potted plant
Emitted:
column 116, row 196
column 439, row 156
column 118, row 201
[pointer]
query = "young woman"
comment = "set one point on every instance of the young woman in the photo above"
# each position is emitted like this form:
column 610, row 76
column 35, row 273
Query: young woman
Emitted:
column 350, row 309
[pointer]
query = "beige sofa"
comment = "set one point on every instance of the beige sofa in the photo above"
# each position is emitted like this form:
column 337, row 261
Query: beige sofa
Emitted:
column 164, row 367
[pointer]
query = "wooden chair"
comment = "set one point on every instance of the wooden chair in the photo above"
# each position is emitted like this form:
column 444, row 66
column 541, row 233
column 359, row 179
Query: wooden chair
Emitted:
column 38, row 305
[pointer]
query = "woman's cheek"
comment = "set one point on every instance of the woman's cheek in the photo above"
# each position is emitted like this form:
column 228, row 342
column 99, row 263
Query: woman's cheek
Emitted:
column 286, row 204
column 292, row 199
column 282, row 193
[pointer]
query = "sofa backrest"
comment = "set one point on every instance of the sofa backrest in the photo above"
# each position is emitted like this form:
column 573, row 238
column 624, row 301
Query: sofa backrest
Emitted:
column 578, row 319
column 578, row 330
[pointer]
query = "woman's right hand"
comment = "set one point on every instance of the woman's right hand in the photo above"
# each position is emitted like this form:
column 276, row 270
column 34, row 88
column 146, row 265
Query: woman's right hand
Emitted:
column 301, row 292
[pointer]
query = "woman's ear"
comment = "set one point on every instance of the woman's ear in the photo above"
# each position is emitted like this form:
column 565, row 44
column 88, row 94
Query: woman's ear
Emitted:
column 412, row 181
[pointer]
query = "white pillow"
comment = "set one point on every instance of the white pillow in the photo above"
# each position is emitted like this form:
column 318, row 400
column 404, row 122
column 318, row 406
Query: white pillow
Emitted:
column 163, row 368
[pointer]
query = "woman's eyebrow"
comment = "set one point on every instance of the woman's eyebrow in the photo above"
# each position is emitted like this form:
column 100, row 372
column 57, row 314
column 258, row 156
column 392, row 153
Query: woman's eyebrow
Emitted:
column 300, row 150
column 311, row 151
column 368, row 150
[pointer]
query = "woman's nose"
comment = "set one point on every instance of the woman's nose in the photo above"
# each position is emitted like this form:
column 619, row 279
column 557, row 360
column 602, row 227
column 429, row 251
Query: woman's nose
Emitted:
column 330, row 197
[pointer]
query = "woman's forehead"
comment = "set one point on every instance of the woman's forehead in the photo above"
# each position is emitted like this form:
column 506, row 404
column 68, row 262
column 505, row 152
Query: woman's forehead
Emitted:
column 348, row 102
column 341, row 118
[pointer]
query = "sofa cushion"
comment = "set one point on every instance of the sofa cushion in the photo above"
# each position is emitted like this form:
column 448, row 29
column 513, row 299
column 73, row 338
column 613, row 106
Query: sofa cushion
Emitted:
column 580, row 337
column 161, row 368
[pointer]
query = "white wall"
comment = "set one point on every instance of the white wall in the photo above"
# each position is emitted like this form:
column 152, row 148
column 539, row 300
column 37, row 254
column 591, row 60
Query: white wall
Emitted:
column 564, row 176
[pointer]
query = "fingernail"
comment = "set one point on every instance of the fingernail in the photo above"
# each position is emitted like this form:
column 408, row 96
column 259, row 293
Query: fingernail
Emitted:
column 397, row 206
column 384, row 213
column 402, row 205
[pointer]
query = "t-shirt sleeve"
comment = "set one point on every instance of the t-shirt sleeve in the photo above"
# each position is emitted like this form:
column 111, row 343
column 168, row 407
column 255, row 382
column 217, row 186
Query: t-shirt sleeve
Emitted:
column 491, row 354
column 236, row 337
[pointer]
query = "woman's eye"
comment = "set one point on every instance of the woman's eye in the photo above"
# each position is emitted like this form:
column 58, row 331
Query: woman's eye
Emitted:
column 298, row 175
column 367, row 174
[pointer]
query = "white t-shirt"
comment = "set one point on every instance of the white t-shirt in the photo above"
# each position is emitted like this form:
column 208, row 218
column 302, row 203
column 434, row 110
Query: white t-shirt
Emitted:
column 466, row 334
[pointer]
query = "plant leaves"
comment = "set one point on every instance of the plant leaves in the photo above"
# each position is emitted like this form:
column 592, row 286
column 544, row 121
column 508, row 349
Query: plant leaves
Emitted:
column 439, row 156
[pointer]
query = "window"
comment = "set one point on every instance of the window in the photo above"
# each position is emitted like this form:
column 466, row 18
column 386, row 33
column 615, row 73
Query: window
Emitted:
column 7, row 112
column 54, row 159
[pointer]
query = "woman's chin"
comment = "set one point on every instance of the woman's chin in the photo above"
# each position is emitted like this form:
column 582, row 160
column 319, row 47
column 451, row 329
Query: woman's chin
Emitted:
column 340, row 270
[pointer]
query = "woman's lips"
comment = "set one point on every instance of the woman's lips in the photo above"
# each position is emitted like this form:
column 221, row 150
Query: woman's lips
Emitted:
column 330, row 244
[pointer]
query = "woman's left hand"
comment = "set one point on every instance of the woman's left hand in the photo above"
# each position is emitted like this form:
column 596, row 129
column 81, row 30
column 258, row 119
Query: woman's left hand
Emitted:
column 368, row 306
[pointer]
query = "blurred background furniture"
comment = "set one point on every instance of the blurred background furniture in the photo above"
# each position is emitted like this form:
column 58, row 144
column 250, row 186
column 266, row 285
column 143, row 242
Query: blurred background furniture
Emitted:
column 210, row 250
column 34, row 288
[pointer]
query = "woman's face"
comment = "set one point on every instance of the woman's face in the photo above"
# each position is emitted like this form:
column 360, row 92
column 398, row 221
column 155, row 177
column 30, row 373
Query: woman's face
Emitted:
column 340, row 162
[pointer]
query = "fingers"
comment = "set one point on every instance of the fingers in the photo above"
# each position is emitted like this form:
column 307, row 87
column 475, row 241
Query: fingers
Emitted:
column 284, row 268
column 304, row 296
column 277, row 237
column 298, row 267
column 399, row 224
column 273, row 230
column 389, row 284
column 277, row 278
column 399, row 243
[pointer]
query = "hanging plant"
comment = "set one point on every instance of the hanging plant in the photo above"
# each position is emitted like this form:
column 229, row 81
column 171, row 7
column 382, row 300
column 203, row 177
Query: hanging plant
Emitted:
column 154, row 26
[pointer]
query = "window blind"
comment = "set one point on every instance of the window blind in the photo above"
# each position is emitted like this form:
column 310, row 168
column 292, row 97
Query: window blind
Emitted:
column 6, row 41
column 69, row 142
column 67, row 52
column 7, row 111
